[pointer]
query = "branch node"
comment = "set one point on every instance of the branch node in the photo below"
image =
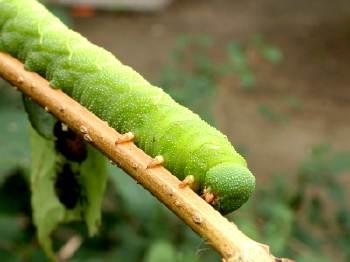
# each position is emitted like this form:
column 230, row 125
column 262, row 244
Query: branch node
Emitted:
column 197, row 218
column 177, row 203
column 20, row 80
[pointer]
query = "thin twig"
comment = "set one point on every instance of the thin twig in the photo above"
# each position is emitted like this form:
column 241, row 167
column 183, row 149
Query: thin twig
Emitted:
column 222, row 234
column 68, row 249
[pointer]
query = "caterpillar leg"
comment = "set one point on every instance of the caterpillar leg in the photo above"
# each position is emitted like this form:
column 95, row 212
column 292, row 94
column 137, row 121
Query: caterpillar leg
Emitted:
column 127, row 137
column 188, row 181
column 209, row 197
column 158, row 160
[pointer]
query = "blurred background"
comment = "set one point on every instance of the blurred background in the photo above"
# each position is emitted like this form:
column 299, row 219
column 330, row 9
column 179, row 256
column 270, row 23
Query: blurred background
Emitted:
column 273, row 75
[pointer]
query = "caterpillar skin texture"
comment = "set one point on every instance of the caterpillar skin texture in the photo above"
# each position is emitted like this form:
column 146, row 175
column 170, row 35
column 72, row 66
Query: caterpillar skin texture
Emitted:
column 122, row 97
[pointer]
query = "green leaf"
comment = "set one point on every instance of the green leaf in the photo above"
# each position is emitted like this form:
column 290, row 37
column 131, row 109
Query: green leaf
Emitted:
column 271, row 115
column 247, row 225
column 237, row 56
column 315, row 211
column 9, row 97
column 295, row 102
column 272, row 54
column 269, row 52
column 138, row 201
column 48, row 211
column 42, row 121
column 279, row 227
column 248, row 80
column 205, row 40
column 161, row 250
column 340, row 163
column 94, row 178
column 131, row 243
column 10, row 229
column 182, row 41
column 313, row 257
column 6, row 255
column 321, row 150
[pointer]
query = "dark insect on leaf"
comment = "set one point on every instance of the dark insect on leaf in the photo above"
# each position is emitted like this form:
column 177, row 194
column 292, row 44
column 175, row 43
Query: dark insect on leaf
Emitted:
column 69, row 144
column 68, row 187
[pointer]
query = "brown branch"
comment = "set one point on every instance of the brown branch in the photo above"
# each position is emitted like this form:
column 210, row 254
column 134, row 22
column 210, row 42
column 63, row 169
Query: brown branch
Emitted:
column 222, row 234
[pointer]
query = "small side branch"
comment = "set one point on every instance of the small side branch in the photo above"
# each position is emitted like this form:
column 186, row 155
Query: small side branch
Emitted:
column 222, row 234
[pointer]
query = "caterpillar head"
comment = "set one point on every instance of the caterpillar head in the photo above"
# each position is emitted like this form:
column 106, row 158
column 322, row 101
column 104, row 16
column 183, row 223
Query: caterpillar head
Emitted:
column 229, row 186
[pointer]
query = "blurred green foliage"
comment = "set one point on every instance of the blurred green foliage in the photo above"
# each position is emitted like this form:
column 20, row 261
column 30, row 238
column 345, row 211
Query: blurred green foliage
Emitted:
column 268, row 51
column 304, row 215
column 191, row 76
column 268, row 113
column 13, row 130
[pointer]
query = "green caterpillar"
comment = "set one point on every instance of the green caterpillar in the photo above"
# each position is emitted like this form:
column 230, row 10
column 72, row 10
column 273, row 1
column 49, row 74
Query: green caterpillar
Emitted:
column 116, row 93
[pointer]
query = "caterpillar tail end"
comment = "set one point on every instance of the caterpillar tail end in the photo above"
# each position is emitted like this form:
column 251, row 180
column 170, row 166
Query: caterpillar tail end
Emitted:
column 230, row 184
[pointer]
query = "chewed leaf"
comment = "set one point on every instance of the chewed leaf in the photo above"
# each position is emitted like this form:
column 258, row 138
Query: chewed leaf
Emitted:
column 93, row 179
column 48, row 212
column 63, row 191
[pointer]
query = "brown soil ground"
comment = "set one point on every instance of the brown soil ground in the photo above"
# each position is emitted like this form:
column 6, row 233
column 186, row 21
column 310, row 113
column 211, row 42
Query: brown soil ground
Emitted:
column 314, row 36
